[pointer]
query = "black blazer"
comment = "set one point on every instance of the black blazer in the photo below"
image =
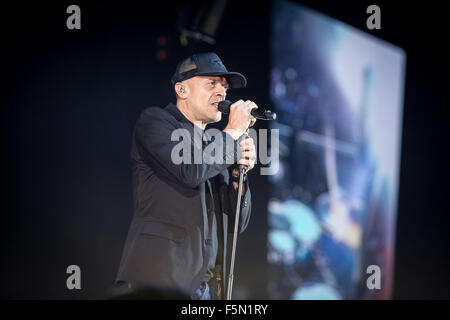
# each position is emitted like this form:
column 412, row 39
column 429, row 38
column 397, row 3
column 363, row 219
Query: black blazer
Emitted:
column 169, row 240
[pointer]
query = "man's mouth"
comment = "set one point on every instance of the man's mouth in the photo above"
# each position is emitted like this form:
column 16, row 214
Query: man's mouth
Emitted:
column 215, row 104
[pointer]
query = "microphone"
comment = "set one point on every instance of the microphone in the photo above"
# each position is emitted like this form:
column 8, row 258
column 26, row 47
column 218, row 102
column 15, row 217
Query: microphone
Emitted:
column 224, row 107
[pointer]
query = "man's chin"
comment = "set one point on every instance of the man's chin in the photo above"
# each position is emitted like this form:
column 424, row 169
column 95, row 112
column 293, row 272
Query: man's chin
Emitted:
column 214, row 114
column 218, row 117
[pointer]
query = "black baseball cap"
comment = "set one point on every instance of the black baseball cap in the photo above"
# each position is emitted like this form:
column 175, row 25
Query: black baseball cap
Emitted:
column 207, row 64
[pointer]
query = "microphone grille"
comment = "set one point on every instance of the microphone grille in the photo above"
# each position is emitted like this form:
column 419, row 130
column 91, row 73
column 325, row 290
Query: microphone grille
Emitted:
column 224, row 106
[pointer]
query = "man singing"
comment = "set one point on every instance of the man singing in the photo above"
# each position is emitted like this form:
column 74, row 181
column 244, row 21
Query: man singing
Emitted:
column 183, row 211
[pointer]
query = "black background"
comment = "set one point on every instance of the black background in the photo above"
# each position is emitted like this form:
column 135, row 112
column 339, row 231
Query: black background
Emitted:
column 70, row 99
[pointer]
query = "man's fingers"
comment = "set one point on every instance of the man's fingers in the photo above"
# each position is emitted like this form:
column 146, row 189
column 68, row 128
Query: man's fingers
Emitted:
column 248, row 151
column 247, row 142
column 250, row 105
column 248, row 163
column 237, row 104
column 248, row 154
column 248, row 147
column 247, row 106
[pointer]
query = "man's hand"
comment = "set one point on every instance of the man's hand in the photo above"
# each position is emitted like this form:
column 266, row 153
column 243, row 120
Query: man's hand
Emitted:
column 240, row 118
column 248, row 159
column 248, row 153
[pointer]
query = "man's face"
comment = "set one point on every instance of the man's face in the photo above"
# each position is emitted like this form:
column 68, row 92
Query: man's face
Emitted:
column 205, row 92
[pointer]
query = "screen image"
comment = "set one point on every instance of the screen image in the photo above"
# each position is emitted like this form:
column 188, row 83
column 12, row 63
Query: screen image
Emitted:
column 338, row 93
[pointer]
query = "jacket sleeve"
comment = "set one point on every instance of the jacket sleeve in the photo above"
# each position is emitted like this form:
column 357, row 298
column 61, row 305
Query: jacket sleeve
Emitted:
column 153, row 134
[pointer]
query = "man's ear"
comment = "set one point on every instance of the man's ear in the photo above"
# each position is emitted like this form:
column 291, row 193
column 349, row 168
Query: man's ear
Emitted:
column 181, row 90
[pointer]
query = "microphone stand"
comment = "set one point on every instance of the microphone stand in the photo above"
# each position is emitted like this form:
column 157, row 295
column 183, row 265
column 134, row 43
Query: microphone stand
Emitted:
column 242, row 169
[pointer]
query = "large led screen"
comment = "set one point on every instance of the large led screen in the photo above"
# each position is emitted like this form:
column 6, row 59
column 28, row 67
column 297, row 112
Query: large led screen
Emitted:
column 338, row 93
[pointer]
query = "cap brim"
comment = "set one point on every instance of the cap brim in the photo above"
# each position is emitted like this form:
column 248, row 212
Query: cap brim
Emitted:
column 235, row 79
